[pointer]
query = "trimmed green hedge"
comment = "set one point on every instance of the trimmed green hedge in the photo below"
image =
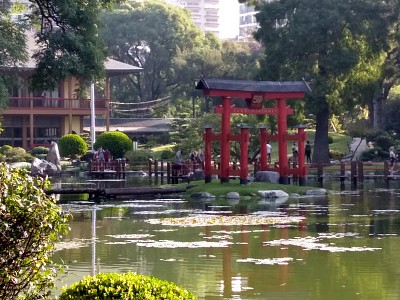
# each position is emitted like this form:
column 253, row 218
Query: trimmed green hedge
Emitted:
column 39, row 150
column 127, row 286
column 72, row 145
column 114, row 141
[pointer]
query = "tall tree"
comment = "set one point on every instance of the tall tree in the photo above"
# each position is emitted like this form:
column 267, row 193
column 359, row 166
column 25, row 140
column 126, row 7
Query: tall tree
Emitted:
column 150, row 34
column 389, row 76
column 320, row 40
column 69, row 44
column 68, row 39
column 12, row 47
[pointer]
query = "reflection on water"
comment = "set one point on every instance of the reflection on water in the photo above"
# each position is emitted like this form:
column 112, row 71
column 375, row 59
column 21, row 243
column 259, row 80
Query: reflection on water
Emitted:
column 343, row 246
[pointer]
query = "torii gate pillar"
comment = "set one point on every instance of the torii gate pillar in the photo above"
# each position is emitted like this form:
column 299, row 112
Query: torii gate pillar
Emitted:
column 282, row 142
column 225, row 146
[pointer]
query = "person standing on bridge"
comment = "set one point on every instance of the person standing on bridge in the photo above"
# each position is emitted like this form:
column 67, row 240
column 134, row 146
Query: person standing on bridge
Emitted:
column 269, row 150
column 295, row 151
column 393, row 158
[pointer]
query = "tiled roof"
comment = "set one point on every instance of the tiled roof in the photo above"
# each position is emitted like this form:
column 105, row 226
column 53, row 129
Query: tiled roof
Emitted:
column 112, row 67
column 132, row 125
column 253, row 86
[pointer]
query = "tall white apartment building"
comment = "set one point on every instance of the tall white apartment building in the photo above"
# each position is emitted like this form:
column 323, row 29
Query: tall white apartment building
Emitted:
column 21, row 15
column 220, row 17
column 247, row 22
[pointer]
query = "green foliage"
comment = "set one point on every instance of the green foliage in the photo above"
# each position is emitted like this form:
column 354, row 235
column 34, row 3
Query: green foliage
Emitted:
column 391, row 120
column 17, row 154
column 384, row 142
column 149, row 35
column 12, row 45
column 72, row 145
column 65, row 48
column 167, row 154
column 174, row 54
column 330, row 139
column 323, row 42
column 39, row 150
column 381, row 139
column 372, row 135
column 6, row 148
column 127, row 286
column 114, row 141
column 137, row 157
column 374, row 154
column 333, row 154
column 180, row 128
column 359, row 128
column 30, row 224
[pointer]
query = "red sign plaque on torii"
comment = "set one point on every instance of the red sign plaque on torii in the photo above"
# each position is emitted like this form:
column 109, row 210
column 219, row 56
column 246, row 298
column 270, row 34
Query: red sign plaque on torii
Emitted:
column 254, row 93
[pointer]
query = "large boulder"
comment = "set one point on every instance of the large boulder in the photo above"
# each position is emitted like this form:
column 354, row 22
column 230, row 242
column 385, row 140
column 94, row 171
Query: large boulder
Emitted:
column 53, row 156
column 41, row 167
column 267, row 176
column 233, row 195
column 273, row 194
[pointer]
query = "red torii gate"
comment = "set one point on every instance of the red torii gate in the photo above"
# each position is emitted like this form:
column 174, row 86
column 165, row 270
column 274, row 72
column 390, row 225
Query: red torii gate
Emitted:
column 254, row 92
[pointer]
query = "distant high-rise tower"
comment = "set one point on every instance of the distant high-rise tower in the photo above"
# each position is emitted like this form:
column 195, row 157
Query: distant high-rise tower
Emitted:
column 21, row 15
column 220, row 17
column 247, row 22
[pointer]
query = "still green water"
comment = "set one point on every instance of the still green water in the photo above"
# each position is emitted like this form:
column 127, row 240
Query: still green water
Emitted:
column 346, row 246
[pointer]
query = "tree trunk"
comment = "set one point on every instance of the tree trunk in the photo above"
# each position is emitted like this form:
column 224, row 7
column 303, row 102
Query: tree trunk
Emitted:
column 379, row 103
column 321, row 141
column 378, row 110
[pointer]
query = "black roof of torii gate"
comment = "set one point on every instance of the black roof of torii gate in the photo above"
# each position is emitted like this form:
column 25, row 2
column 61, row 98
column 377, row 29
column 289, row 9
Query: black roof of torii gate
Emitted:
column 246, row 88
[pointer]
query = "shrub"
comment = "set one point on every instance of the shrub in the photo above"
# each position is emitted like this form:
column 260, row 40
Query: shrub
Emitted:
column 384, row 142
column 333, row 154
column 72, row 145
column 137, row 157
column 39, row 150
column 4, row 149
column 41, row 156
column 127, row 286
column 114, row 141
column 371, row 137
column 167, row 154
column 30, row 222
column 29, row 157
column 16, row 154
column 374, row 154
column 330, row 139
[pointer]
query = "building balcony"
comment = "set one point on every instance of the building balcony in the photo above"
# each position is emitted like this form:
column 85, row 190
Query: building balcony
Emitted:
column 54, row 106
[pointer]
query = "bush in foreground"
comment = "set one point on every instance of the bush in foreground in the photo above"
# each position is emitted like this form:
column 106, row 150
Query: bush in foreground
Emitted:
column 127, row 286
column 30, row 224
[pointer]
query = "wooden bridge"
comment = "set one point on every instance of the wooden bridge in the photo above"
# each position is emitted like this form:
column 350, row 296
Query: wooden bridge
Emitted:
column 108, row 193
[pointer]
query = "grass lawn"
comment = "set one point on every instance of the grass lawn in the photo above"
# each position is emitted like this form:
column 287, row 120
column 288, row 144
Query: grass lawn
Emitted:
column 340, row 143
column 221, row 189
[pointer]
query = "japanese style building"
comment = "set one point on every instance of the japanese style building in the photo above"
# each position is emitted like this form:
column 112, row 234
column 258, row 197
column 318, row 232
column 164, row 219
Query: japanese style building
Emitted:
column 35, row 118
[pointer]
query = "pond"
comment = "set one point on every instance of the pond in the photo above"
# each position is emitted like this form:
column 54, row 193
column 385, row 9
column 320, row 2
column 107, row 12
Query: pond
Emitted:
column 342, row 246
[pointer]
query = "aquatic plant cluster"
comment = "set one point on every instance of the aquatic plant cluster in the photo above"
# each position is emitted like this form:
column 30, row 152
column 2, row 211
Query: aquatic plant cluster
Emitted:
column 202, row 220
